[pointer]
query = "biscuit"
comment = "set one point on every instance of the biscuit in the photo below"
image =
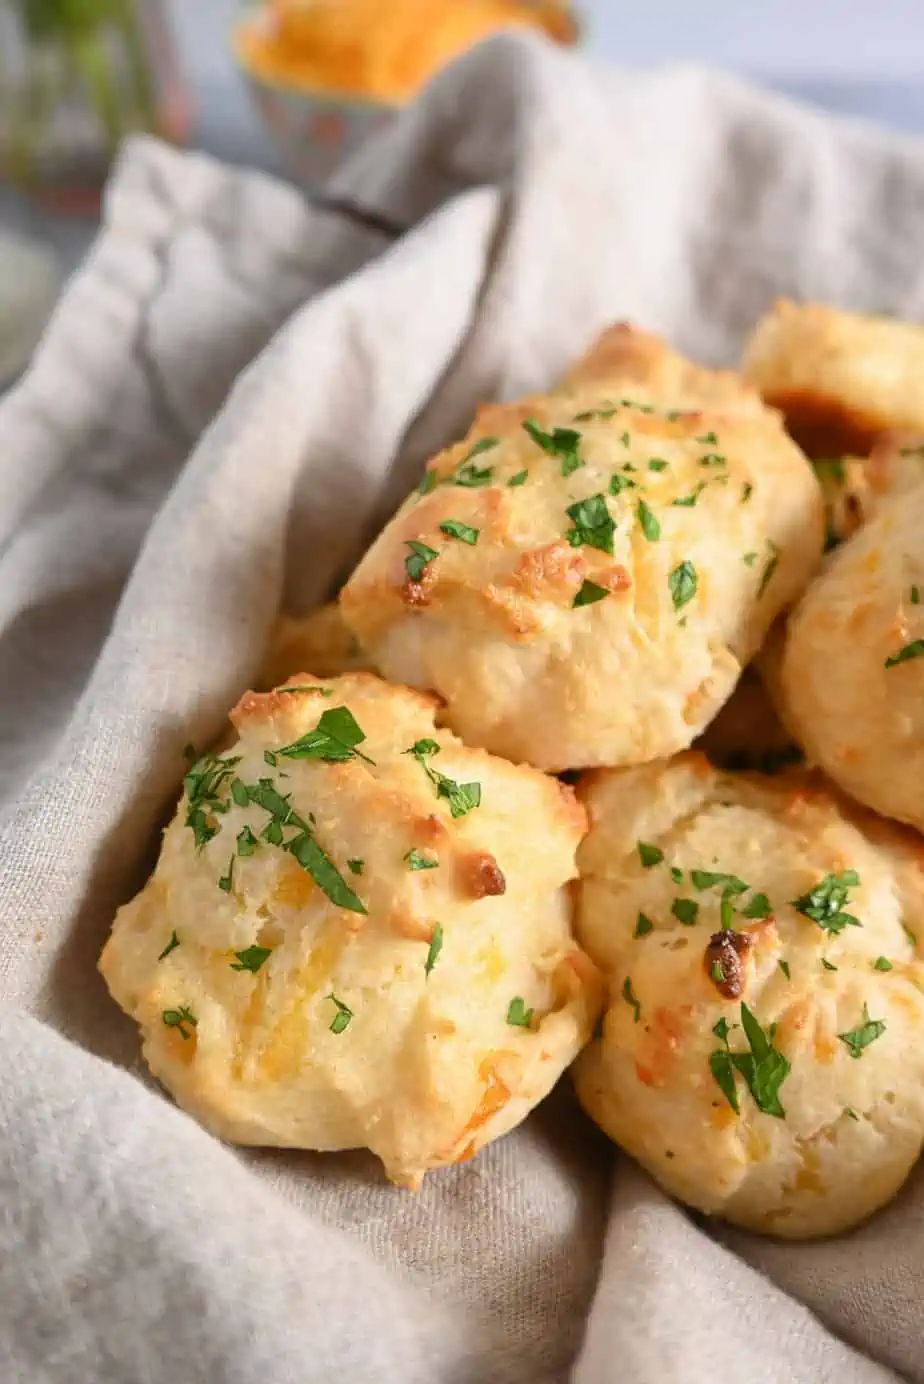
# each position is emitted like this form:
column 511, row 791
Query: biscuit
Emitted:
column 839, row 378
column 358, row 933
column 850, row 685
column 581, row 582
column 624, row 359
column 762, row 1053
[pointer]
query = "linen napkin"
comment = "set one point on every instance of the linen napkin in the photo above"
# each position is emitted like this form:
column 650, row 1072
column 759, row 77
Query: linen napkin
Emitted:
column 235, row 392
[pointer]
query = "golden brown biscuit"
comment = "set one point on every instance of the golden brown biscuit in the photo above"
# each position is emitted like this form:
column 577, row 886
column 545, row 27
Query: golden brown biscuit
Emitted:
column 318, row 643
column 582, row 586
column 771, row 1070
column 368, row 947
column 851, row 681
column 839, row 378
column 625, row 359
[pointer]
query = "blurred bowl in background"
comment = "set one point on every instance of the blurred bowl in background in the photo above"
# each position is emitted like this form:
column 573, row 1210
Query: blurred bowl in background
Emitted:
column 325, row 74
column 315, row 132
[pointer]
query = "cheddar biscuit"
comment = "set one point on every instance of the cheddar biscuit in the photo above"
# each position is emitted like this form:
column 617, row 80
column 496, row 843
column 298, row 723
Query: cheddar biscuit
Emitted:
column 850, row 685
column 582, row 580
column 358, row 933
column 840, row 379
column 762, row 1052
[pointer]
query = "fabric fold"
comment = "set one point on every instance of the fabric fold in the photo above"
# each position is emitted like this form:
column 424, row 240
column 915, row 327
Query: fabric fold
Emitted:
column 235, row 392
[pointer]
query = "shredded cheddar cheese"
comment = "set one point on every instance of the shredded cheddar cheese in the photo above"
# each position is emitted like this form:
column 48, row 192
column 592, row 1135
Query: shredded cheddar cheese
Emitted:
column 379, row 51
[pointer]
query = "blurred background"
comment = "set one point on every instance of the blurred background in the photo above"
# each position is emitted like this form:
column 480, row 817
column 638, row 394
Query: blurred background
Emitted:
column 290, row 86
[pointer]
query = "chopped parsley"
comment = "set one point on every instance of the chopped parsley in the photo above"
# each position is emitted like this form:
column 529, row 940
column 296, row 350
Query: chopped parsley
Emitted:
column 824, row 904
column 593, row 524
column 712, row 459
column 250, row 959
column 341, row 1019
column 643, row 926
column 688, row 501
column 630, row 998
column 226, row 881
column 749, row 559
column 434, row 949
column 915, row 595
column 592, row 414
column 764, row 1068
column 420, row 558
column 171, row 946
column 828, row 965
column 454, row 528
column 239, row 793
column 650, row 526
column 625, row 438
column 683, row 584
column 325, row 874
column 416, row 861
column 247, row 843
column 727, row 913
column 270, row 758
column 676, row 875
column 850, row 1112
column 784, row 967
column 619, row 483
column 773, row 562
column 856, row 1039
column 562, row 443
column 913, row 650
column 882, row 963
column 909, row 934
column 467, row 473
column 302, row 846
column 658, row 464
column 518, row 1016
column 333, row 740
column 747, row 490
column 708, row 879
column 589, row 594
column 356, row 867
column 649, row 855
column 179, row 1018
column 717, row 973
column 205, row 785
column 519, row 479
column 686, row 910
column 757, row 907
column 709, row 439
column 462, row 797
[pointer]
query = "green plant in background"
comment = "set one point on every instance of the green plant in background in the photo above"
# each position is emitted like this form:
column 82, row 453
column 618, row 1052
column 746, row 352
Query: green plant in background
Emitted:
column 86, row 52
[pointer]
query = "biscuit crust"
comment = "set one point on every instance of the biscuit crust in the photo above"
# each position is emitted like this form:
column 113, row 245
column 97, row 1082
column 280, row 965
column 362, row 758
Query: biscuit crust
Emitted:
column 850, row 684
column 835, row 1134
column 840, row 379
column 416, row 991
column 628, row 560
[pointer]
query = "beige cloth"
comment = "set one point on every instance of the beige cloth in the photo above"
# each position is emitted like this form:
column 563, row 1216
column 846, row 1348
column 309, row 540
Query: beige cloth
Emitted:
column 156, row 504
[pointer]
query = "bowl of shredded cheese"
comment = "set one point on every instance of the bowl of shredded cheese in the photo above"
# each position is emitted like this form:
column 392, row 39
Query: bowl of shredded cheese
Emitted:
column 327, row 73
